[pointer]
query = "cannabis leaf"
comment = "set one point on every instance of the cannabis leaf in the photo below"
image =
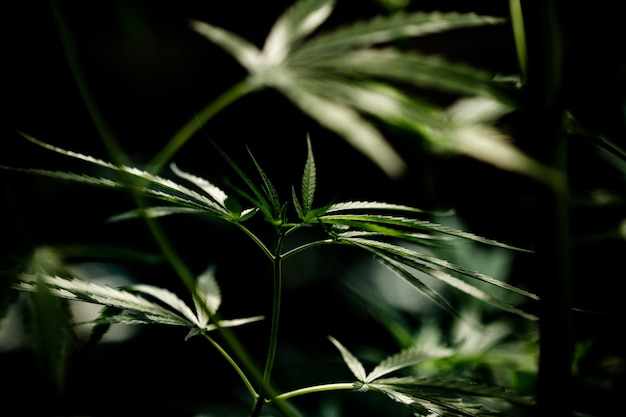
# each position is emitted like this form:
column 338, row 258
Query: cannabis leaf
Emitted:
column 345, row 77
column 140, row 303
column 211, row 200
column 432, row 397
column 308, row 186
column 385, row 237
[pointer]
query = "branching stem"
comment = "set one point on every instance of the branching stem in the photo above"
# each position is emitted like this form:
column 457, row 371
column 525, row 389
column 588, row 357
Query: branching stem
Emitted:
column 313, row 389
column 273, row 343
column 230, row 360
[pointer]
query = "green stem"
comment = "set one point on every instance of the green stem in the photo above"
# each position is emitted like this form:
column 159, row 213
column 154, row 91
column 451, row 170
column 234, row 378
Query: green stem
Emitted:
column 545, row 102
column 311, row 390
column 307, row 246
column 519, row 34
column 271, row 353
column 233, row 364
column 256, row 240
column 191, row 127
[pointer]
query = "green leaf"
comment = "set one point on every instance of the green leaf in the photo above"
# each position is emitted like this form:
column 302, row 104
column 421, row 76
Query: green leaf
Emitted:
column 132, row 178
column 308, row 180
column 343, row 120
column 168, row 298
column 154, row 212
column 423, row 71
column 365, row 221
column 413, row 259
column 384, row 29
column 207, row 296
column 259, row 199
column 214, row 192
column 102, row 324
column 301, row 19
column 412, row 279
column 296, row 204
column 91, row 292
column 370, row 205
column 459, row 386
column 268, row 189
column 404, row 359
column 407, row 253
column 51, row 320
column 432, row 405
column 243, row 51
column 356, row 367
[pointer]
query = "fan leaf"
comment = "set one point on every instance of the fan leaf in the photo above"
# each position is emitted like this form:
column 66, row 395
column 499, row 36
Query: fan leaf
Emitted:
column 404, row 359
column 308, row 180
column 243, row 51
column 345, row 121
column 91, row 292
column 384, row 29
column 207, row 296
column 356, row 367
column 301, row 19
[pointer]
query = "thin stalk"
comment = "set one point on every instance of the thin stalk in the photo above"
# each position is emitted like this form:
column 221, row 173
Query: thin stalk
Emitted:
column 546, row 113
column 256, row 240
column 234, row 364
column 307, row 246
column 273, row 343
column 169, row 252
column 519, row 34
column 71, row 54
column 313, row 389
column 191, row 127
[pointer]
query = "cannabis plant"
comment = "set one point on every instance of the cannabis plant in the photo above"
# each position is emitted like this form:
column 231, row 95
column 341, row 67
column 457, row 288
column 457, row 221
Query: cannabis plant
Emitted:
column 347, row 80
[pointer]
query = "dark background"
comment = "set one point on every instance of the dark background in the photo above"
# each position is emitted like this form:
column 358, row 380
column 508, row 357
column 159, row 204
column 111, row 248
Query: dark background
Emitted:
column 149, row 73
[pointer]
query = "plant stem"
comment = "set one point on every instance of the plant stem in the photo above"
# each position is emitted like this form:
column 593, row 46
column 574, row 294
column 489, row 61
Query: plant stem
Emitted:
column 233, row 364
column 256, row 240
column 271, row 353
column 313, row 389
column 307, row 246
column 546, row 115
column 191, row 127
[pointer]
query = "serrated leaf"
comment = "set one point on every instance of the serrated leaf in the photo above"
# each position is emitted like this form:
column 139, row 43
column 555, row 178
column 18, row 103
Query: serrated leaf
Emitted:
column 404, row 359
column 384, row 29
column 259, row 199
column 243, row 51
column 296, row 204
column 424, row 71
column 432, row 260
column 268, row 189
column 154, row 212
column 167, row 297
column 370, row 205
column 207, row 296
column 416, row 282
column 101, row 325
column 301, row 19
column 50, row 319
column 140, row 181
column 362, row 221
column 356, row 367
column 91, row 292
column 385, row 102
column 385, row 251
column 308, row 180
column 234, row 322
column 345, row 121
column 459, row 386
column 432, row 405
column 214, row 192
